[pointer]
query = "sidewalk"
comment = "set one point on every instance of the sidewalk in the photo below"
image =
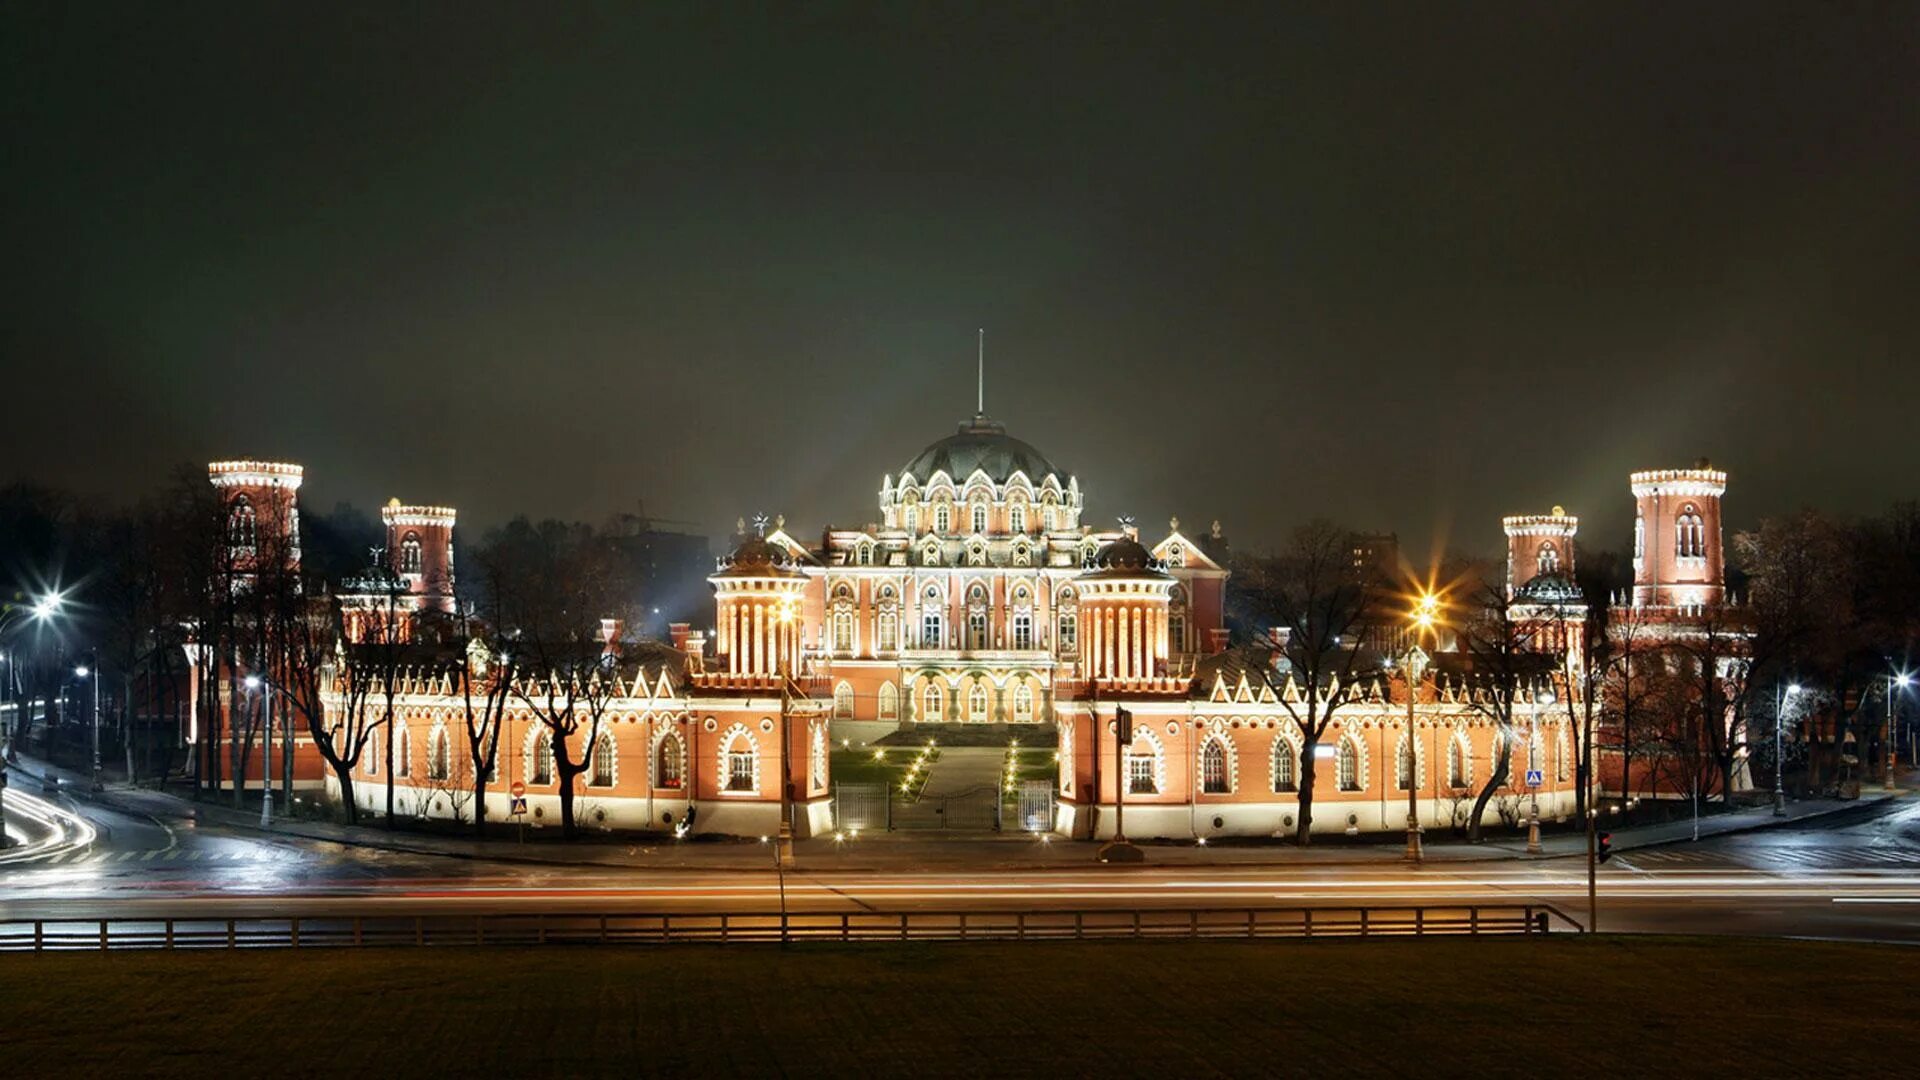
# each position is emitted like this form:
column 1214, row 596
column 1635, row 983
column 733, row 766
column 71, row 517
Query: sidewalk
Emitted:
column 913, row 852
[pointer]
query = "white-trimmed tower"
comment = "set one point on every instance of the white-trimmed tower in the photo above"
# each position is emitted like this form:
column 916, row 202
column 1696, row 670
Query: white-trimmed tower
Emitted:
column 1677, row 556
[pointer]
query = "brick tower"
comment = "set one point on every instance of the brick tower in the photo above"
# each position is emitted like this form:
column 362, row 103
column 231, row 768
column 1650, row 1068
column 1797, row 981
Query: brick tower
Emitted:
column 420, row 550
column 1677, row 556
column 1539, row 544
column 262, row 506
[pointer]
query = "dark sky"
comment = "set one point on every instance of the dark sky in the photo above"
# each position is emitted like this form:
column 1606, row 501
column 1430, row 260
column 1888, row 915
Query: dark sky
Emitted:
column 1410, row 266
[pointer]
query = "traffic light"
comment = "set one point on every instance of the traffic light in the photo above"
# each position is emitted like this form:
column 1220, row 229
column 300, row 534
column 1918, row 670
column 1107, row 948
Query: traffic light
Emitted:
column 1603, row 846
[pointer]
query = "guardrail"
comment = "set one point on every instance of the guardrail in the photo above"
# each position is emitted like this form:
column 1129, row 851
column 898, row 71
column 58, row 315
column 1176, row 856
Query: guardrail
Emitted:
column 315, row 931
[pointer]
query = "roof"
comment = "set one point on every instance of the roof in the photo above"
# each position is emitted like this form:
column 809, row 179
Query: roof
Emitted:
column 984, row 445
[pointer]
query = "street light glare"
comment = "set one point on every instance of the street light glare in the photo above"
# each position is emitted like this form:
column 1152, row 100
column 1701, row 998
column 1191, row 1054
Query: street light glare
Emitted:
column 252, row 681
column 48, row 606
column 80, row 671
column 1793, row 688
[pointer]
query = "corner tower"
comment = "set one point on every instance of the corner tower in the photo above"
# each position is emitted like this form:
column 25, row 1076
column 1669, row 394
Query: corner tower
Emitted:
column 1677, row 556
column 420, row 550
column 261, row 504
column 1539, row 544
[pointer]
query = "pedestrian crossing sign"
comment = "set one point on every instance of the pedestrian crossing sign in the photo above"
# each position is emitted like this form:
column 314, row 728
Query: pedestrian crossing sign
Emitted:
column 1534, row 778
column 519, row 806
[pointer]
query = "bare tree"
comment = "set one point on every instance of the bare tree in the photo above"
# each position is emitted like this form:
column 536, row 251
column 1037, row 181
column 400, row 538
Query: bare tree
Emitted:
column 1306, row 611
column 556, row 590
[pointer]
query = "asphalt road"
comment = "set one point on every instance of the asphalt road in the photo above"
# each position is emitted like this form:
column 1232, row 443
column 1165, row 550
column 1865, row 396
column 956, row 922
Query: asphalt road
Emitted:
column 1851, row 875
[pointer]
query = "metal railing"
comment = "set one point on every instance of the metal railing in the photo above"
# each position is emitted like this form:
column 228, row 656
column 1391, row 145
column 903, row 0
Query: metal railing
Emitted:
column 311, row 931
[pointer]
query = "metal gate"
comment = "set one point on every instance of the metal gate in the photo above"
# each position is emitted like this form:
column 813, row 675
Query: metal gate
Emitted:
column 1036, row 805
column 977, row 808
column 861, row 806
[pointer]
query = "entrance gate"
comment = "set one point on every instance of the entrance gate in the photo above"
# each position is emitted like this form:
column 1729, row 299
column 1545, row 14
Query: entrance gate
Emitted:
column 1036, row 806
column 976, row 808
column 862, row 806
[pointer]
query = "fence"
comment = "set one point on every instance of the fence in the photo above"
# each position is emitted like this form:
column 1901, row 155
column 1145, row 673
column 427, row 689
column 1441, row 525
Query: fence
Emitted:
column 47, row 935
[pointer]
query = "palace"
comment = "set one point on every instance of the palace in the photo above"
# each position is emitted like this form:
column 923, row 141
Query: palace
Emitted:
column 981, row 595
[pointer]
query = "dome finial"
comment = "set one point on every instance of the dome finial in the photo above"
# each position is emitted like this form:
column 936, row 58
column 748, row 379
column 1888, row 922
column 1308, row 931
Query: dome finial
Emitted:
column 980, row 399
column 760, row 525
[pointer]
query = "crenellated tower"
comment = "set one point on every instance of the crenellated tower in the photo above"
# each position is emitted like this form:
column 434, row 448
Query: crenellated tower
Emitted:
column 1539, row 544
column 420, row 551
column 1678, row 561
column 261, row 504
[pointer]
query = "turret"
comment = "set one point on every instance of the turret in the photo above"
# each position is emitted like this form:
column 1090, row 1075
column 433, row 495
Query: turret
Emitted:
column 1123, row 613
column 420, row 550
column 1677, row 554
column 1539, row 544
column 757, row 593
column 262, row 511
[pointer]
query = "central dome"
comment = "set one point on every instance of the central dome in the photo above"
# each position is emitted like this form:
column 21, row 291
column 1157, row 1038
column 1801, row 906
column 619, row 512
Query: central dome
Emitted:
column 981, row 444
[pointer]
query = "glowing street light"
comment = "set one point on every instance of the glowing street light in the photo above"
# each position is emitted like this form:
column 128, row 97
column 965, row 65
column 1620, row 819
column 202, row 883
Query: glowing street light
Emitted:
column 1425, row 614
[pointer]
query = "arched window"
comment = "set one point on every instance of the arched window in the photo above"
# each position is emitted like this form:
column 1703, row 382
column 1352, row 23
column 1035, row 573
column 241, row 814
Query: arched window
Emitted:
column 1549, row 558
column 1285, row 768
column 1213, row 769
column 1536, row 752
column 669, row 763
column 942, row 518
column 605, row 750
column 373, row 753
column 911, row 519
column 1457, row 762
column 817, row 759
column 889, row 702
column 1023, row 704
column 933, row 621
column 403, row 746
column 1561, row 765
column 979, row 517
column 889, row 635
column 863, row 555
column 1177, row 620
column 1690, row 539
column 1069, row 620
column 1404, row 762
column 1639, row 535
column 843, row 628
column 843, row 701
column 543, row 759
column 1023, row 628
column 1347, row 765
column 740, row 766
column 1143, row 769
column 410, row 554
column 933, row 705
column 977, row 617
column 1017, row 517
column 439, row 755
column 977, row 703
column 1049, row 517
column 242, row 526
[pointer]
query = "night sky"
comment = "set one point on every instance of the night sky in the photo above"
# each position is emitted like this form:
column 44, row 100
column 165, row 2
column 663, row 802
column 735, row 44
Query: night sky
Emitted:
column 1410, row 267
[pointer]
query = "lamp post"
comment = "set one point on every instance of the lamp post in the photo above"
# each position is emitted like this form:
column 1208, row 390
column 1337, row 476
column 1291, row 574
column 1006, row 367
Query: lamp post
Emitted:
column 784, row 838
column 1425, row 610
column 1901, row 680
column 1781, row 695
column 255, row 682
column 92, row 673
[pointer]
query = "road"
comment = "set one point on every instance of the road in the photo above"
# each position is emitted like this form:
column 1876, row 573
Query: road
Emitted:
column 1852, row 875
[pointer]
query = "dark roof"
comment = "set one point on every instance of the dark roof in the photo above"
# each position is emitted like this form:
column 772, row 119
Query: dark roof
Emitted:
column 1125, row 558
column 980, row 444
column 758, row 557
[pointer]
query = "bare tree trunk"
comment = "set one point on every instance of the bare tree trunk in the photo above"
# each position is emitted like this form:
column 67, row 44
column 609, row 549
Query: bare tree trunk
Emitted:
column 1503, row 761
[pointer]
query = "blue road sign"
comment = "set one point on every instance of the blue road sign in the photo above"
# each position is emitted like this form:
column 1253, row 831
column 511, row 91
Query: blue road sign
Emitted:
column 1535, row 778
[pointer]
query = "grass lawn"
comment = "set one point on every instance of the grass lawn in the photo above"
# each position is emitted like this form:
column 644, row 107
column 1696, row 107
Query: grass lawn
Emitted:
column 861, row 767
column 1608, row 1006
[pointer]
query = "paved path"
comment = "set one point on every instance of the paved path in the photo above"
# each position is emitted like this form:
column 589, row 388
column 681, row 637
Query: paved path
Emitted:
column 964, row 767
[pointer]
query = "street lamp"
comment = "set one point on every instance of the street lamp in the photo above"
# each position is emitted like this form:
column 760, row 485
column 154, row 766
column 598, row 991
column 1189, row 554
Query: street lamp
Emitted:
column 1901, row 680
column 1780, row 698
column 84, row 672
column 786, row 613
column 1426, row 611
column 255, row 682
